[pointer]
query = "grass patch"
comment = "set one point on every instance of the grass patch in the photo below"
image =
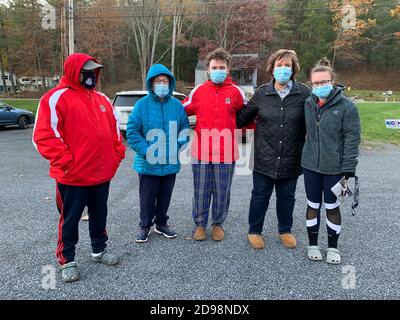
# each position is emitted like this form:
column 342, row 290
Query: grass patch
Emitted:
column 373, row 116
column 27, row 104
column 372, row 95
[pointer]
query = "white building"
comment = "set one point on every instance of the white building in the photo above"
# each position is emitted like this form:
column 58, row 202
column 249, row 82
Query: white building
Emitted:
column 245, row 76
column 200, row 75
column 8, row 85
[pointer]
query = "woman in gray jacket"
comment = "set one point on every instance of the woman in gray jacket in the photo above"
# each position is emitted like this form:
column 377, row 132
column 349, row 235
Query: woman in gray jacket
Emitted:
column 330, row 153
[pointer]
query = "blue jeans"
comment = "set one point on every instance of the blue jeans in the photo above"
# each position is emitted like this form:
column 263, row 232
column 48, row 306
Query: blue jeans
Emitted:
column 285, row 199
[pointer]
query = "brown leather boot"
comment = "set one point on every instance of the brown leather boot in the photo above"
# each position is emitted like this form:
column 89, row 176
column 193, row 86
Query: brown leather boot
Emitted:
column 199, row 234
column 256, row 241
column 288, row 240
column 218, row 233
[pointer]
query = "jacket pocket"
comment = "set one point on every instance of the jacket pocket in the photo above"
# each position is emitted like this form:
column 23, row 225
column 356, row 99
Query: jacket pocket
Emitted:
column 70, row 168
column 117, row 160
column 330, row 160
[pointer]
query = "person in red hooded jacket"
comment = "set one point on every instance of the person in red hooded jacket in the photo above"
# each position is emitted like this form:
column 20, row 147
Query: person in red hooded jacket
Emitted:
column 77, row 130
column 215, row 147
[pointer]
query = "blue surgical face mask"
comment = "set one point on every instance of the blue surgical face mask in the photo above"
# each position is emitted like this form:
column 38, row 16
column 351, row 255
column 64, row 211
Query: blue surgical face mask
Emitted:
column 218, row 76
column 282, row 74
column 89, row 79
column 161, row 90
column 322, row 92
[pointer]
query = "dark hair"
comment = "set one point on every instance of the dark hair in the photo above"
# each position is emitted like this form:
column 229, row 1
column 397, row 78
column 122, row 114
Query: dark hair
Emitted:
column 323, row 65
column 218, row 54
column 280, row 54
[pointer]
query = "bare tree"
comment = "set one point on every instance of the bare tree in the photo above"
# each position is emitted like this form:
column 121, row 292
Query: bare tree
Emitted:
column 177, row 24
column 240, row 27
column 5, row 44
column 225, row 19
column 102, row 38
column 3, row 73
column 145, row 24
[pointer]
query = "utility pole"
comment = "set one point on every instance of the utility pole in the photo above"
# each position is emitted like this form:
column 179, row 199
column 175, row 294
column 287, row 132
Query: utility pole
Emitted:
column 174, row 26
column 63, row 28
column 71, row 26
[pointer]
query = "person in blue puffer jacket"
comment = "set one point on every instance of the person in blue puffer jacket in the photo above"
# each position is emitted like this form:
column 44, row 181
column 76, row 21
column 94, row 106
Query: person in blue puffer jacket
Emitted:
column 157, row 128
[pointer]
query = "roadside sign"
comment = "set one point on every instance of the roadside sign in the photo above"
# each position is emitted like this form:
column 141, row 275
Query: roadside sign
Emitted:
column 392, row 123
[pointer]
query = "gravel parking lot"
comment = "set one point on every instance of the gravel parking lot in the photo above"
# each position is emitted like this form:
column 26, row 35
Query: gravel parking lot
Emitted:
column 182, row 268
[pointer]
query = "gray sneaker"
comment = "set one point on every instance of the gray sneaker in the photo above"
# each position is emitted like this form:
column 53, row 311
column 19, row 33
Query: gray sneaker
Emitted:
column 106, row 258
column 142, row 235
column 166, row 231
column 69, row 272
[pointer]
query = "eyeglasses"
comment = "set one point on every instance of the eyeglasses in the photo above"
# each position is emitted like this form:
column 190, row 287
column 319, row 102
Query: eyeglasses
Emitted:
column 321, row 83
column 161, row 81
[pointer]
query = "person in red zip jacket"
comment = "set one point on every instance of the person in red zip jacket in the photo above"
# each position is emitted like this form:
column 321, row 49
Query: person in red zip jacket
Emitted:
column 215, row 146
column 77, row 131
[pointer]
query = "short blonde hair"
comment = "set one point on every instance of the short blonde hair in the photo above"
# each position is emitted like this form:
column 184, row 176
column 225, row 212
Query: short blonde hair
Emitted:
column 283, row 53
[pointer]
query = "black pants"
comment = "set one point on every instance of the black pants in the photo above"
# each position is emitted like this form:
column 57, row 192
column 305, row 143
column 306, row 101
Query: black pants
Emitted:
column 285, row 200
column 71, row 201
column 155, row 196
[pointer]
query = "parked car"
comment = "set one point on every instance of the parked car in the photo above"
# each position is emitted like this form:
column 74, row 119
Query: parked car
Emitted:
column 12, row 116
column 124, row 102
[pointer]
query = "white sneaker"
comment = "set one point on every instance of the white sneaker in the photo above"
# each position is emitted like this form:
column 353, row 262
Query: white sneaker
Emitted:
column 314, row 253
column 69, row 272
column 333, row 256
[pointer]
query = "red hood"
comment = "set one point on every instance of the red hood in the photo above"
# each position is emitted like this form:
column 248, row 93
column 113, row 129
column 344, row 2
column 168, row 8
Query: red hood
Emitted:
column 72, row 67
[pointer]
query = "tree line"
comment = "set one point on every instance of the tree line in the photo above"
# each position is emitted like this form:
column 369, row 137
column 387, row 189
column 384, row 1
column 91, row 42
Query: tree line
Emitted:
column 130, row 35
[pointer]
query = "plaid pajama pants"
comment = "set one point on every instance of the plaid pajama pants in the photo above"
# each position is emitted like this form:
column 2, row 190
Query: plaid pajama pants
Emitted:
column 211, row 180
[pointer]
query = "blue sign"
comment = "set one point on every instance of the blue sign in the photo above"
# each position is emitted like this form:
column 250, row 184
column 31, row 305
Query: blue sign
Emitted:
column 392, row 123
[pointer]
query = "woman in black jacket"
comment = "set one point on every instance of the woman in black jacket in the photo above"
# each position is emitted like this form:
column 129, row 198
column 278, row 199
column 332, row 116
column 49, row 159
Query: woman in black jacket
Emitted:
column 330, row 153
column 278, row 107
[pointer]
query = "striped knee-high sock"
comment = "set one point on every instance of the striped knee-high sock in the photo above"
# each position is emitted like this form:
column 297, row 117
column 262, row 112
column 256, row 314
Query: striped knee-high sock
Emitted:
column 333, row 226
column 312, row 220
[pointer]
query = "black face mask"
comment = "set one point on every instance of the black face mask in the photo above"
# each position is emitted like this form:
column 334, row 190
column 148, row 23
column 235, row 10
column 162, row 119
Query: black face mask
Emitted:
column 89, row 79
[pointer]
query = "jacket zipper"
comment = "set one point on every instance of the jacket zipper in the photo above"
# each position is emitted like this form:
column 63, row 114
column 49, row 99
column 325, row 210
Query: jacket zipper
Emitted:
column 318, row 132
column 91, row 98
column 216, row 107
column 215, row 126
column 163, row 124
column 319, row 117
